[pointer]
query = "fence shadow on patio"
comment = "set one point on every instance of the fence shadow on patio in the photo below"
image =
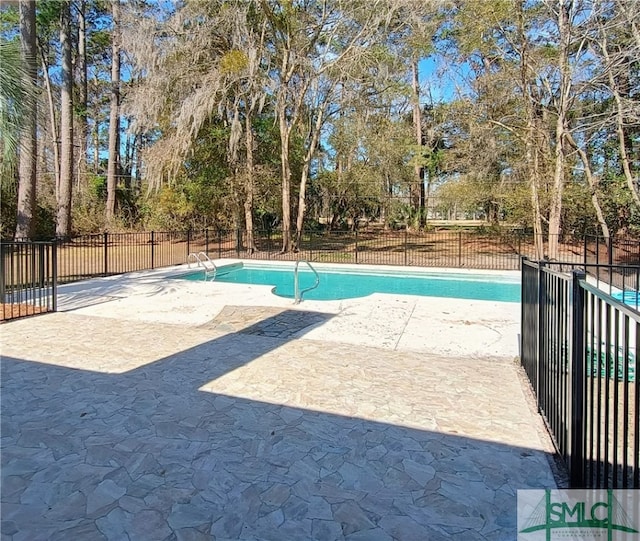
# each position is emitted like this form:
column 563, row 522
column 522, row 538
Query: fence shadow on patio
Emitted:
column 162, row 449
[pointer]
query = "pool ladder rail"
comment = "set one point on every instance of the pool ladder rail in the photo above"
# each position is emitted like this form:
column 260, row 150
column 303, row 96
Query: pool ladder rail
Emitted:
column 296, row 283
column 203, row 260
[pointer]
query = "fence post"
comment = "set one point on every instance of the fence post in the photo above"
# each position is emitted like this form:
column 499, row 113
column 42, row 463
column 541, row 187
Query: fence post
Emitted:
column 54, row 276
column 541, row 337
column 206, row 241
column 106, row 253
column 42, row 266
column 459, row 249
column 405, row 246
column 576, row 460
column 153, row 249
column 219, row 243
column 188, row 241
column 522, row 310
column 238, row 242
column 356, row 247
column 2, row 270
column 33, row 274
column 519, row 243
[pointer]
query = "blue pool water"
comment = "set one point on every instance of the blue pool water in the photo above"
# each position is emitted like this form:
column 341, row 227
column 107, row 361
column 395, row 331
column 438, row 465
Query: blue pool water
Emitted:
column 347, row 283
column 632, row 298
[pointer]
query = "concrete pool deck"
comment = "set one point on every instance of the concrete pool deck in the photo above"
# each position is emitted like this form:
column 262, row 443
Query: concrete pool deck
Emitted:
column 444, row 326
column 152, row 409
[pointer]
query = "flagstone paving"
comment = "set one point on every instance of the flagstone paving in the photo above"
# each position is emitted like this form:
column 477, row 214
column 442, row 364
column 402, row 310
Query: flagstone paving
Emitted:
column 246, row 427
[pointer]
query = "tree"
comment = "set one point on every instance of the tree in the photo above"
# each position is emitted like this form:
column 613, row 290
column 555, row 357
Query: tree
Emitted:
column 48, row 19
column 12, row 78
column 63, row 223
column 552, row 83
column 83, row 89
column 18, row 116
column 564, row 11
column 619, row 59
column 25, row 219
column 318, row 48
column 533, row 135
column 414, row 32
column 487, row 130
column 114, row 115
column 547, row 102
column 224, row 83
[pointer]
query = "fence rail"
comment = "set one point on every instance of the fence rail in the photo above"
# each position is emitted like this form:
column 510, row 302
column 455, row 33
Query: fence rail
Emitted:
column 579, row 348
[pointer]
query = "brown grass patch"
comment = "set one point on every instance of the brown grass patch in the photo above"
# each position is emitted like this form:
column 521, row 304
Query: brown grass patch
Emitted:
column 14, row 311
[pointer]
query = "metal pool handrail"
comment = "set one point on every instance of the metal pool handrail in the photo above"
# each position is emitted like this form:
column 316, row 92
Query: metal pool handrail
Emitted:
column 203, row 260
column 297, row 293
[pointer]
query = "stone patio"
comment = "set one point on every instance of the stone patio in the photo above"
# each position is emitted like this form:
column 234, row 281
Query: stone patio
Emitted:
column 255, row 422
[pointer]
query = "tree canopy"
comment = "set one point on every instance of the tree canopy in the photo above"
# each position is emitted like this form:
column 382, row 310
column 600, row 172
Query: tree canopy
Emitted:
column 298, row 113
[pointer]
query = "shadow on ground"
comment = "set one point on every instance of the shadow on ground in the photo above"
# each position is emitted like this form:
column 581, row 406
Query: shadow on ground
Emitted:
column 146, row 455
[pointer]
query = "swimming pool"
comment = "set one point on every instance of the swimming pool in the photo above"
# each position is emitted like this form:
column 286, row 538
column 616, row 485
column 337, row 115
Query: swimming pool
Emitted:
column 347, row 283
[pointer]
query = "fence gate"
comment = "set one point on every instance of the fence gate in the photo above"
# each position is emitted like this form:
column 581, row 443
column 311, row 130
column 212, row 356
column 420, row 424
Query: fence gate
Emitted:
column 28, row 279
column 579, row 349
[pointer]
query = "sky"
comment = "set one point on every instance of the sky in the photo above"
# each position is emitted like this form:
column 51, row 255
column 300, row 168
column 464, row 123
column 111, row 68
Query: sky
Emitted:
column 440, row 82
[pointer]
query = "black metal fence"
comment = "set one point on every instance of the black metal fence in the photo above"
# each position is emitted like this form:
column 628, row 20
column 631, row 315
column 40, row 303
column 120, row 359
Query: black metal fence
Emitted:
column 618, row 252
column 104, row 254
column 579, row 348
column 481, row 249
column 622, row 282
column 28, row 279
column 112, row 253
column 88, row 256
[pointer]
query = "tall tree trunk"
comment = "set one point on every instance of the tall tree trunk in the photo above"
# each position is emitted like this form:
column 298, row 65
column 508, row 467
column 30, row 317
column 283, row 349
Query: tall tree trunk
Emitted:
column 555, row 211
column 83, row 127
column 534, row 158
column 114, row 115
column 288, row 106
column 63, row 225
column 286, row 176
column 417, row 192
column 306, row 170
column 127, row 167
column 96, row 147
column 629, row 10
column 55, row 143
column 593, row 188
column 249, row 183
column 532, row 164
column 25, row 219
column 138, row 162
column 624, row 142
